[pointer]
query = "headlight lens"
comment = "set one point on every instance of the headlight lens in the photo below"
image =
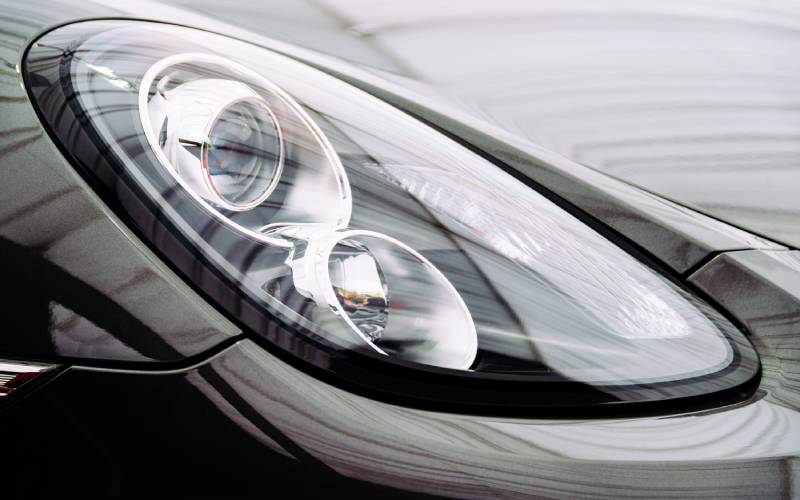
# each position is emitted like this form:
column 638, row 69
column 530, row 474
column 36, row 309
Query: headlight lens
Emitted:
column 363, row 242
column 218, row 134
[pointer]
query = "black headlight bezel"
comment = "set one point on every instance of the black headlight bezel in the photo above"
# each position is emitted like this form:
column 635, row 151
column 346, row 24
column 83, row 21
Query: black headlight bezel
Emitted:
column 46, row 76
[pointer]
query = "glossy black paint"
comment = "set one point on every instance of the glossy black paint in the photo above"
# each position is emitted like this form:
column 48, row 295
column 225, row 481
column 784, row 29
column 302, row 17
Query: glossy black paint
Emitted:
column 76, row 285
column 57, row 309
column 762, row 290
column 116, row 433
column 27, row 312
column 103, row 435
column 224, row 427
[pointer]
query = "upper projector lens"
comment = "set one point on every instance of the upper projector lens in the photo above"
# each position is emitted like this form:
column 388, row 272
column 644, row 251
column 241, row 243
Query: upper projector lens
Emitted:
column 243, row 154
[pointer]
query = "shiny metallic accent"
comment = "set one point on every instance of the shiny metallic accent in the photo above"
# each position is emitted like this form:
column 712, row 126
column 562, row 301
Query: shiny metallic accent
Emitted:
column 360, row 286
column 15, row 374
column 351, row 275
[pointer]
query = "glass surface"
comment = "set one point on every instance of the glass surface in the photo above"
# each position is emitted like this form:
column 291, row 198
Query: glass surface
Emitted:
column 243, row 152
column 547, row 296
column 360, row 287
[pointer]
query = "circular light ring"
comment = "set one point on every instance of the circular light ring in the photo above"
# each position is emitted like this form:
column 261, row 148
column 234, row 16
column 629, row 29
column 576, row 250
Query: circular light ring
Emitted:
column 452, row 339
column 235, row 69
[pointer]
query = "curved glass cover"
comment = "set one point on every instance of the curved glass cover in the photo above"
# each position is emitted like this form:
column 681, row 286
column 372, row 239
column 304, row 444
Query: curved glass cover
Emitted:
column 363, row 242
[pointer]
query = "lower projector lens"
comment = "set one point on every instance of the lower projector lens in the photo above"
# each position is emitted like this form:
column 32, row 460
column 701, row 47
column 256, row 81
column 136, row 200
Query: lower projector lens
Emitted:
column 361, row 288
column 243, row 153
column 388, row 297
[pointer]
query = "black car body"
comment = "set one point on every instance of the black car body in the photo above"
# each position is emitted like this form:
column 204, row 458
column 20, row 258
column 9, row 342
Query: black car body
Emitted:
column 669, row 130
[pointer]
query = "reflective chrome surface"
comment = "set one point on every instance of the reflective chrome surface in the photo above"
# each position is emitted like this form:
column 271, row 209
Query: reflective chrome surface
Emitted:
column 393, row 297
column 360, row 287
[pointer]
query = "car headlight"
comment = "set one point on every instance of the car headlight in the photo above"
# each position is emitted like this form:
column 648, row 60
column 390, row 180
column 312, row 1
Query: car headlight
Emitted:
column 373, row 249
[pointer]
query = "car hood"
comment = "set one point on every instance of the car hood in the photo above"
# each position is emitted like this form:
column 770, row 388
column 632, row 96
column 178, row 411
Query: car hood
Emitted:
column 694, row 101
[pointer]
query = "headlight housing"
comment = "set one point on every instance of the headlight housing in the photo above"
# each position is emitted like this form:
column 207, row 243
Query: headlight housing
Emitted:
column 365, row 246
